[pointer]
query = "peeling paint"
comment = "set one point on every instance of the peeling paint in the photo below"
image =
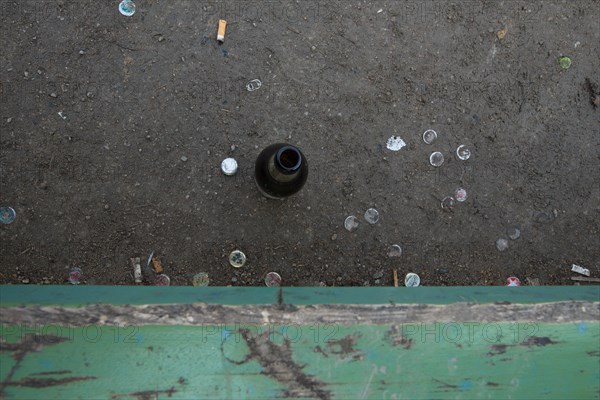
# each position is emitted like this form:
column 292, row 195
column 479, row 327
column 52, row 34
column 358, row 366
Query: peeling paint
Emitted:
column 538, row 341
column 47, row 382
column 396, row 338
column 345, row 347
column 146, row 395
column 277, row 362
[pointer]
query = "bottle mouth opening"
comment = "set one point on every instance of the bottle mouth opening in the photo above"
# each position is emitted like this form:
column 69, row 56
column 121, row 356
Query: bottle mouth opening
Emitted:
column 288, row 159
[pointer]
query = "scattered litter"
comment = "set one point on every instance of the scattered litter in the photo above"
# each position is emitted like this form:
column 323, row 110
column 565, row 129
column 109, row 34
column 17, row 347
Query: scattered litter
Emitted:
column 395, row 143
column 580, row 270
column 513, row 281
column 565, row 62
column 7, row 215
column 200, row 279
column 436, row 159
column 514, row 233
column 162, row 280
column 149, row 261
column 229, row 166
column 75, row 276
column 577, row 44
column 372, row 216
column 272, row 279
column 412, row 280
column 501, row 33
column 253, row 85
column 429, row 136
column 447, row 202
column 394, row 251
column 127, row 8
column 533, row 281
column 221, row 31
column 351, row 223
column 137, row 269
column 380, row 11
column 463, row 152
column 460, row 195
column 157, row 264
column 583, row 279
column 502, row 244
column 395, row 278
column 237, row 259
column 60, row 113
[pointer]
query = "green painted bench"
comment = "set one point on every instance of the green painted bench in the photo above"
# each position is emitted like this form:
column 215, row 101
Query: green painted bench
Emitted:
column 107, row 342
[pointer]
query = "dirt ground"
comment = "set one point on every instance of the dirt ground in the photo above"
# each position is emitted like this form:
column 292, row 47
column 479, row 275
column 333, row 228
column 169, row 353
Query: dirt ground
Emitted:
column 113, row 130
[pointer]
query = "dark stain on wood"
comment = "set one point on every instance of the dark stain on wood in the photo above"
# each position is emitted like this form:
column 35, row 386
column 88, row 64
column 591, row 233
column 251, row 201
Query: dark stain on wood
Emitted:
column 182, row 381
column 492, row 384
column 277, row 362
column 61, row 372
column 538, row 341
column 396, row 338
column 28, row 344
column 444, row 385
column 146, row 395
column 497, row 349
column 150, row 348
column 48, row 382
column 345, row 347
column 319, row 349
column 593, row 353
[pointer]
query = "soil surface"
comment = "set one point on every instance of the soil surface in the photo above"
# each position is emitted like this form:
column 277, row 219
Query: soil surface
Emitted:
column 113, row 130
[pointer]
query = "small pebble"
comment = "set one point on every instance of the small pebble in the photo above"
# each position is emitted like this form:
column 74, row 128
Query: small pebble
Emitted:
column 52, row 94
column 334, row 236
column 378, row 275
column 43, row 185
column 184, row 158
column 25, row 281
column 106, row 206
column 81, row 52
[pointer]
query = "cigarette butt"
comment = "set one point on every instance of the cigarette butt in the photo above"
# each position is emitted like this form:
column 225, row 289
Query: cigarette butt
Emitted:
column 584, row 279
column 221, row 32
column 395, row 278
column 137, row 269
column 158, row 268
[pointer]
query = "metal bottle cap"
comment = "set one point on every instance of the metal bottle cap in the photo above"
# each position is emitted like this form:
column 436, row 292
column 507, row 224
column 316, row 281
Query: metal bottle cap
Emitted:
column 229, row 166
column 237, row 259
column 412, row 280
column 273, row 279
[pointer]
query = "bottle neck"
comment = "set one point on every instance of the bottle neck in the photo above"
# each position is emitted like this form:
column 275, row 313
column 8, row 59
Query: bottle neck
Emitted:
column 285, row 164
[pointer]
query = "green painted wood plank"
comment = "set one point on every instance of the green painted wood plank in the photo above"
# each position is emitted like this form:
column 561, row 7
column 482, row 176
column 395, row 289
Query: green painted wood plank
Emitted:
column 11, row 295
column 550, row 361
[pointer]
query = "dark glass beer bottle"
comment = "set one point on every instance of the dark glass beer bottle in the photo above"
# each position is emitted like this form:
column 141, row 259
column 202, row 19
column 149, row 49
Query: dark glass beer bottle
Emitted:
column 280, row 170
